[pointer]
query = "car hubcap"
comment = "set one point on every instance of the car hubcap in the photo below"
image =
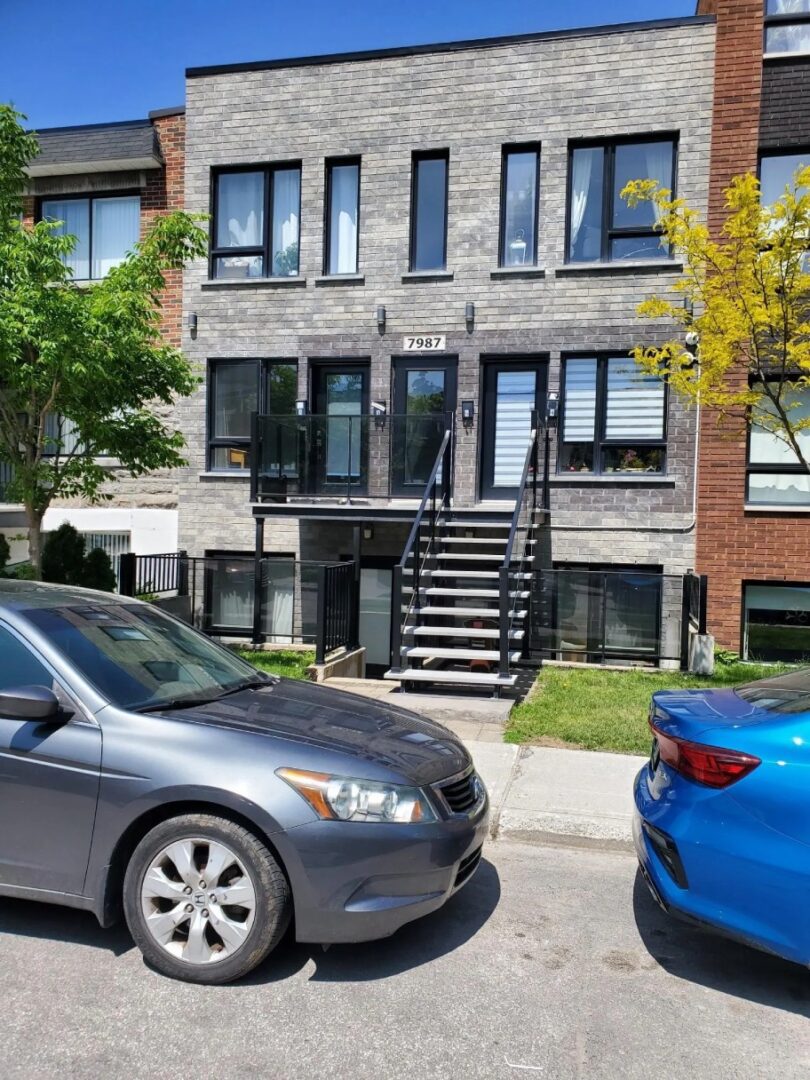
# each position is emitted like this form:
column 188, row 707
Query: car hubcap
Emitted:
column 198, row 901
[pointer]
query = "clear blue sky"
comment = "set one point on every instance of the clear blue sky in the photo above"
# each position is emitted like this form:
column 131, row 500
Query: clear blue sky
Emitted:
column 86, row 61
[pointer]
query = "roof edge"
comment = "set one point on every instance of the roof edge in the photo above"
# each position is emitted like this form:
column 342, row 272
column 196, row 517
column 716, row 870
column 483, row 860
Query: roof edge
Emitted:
column 143, row 122
column 447, row 46
column 171, row 110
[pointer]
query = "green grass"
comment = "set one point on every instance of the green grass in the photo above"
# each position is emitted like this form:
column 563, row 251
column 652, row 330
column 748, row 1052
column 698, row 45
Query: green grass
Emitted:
column 607, row 710
column 289, row 662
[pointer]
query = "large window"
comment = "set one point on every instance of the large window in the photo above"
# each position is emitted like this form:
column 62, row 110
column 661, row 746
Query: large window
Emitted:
column 601, row 225
column 519, row 190
column 342, row 216
column 256, row 222
column 787, row 26
column 236, row 390
column 777, row 622
column 106, row 229
column 614, row 417
column 777, row 172
column 776, row 476
column 230, row 590
column 429, row 211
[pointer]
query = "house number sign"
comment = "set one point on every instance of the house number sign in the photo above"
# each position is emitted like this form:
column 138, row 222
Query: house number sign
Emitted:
column 424, row 343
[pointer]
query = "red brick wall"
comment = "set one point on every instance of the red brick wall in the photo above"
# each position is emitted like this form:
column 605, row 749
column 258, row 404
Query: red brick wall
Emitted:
column 164, row 192
column 735, row 545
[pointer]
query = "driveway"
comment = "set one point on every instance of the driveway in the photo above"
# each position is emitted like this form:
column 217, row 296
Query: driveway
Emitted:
column 552, row 963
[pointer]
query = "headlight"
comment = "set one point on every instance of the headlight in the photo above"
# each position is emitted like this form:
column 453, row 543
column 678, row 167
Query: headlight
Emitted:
column 346, row 799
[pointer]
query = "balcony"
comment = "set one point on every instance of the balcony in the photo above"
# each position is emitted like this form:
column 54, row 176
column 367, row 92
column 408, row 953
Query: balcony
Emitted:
column 344, row 459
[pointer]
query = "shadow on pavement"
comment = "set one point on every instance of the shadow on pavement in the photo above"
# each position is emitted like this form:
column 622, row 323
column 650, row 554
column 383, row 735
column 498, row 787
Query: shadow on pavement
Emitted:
column 716, row 962
column 30, row 919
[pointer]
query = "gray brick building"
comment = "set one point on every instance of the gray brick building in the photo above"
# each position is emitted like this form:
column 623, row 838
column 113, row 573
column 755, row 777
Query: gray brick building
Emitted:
column 517, row 147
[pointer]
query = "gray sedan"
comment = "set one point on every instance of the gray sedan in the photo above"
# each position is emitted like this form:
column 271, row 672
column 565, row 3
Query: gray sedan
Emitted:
column 145, row 769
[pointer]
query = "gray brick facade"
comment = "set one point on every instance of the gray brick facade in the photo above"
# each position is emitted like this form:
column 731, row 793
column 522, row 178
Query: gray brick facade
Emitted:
column 470, row 101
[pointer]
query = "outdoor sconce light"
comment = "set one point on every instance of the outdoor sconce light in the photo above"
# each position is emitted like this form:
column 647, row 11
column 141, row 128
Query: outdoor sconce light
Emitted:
column 192, row 323
column 368, row 532
column 552, row 409
column 378, row 411
column 469, row 315
column 467, row 414
column 381, row 319
column 301, row 408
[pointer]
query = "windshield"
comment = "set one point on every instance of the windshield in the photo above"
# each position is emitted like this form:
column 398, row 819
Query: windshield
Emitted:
column 788, row 693
column 138, row 657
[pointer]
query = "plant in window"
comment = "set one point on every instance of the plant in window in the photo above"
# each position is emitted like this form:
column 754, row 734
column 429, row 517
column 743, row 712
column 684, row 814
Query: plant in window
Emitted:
column 286, row 261
column 742, row 306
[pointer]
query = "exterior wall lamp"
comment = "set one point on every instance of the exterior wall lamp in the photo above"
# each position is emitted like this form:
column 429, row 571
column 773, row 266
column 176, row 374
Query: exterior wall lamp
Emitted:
column 467, row 414
column 469, row 316
column 552, row 409
column 379, row 411
column 301, row 407
column 192, row 323
column 381, row 319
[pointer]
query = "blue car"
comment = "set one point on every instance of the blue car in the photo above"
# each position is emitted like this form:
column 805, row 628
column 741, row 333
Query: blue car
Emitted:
column 722, row 822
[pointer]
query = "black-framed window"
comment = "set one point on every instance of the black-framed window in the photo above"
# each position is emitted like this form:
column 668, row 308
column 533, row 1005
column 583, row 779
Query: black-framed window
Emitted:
column 429, row 180
column 775, row 475
column 229, row 594
column 520, row 173
column 256, row 221
column 106, row 228
column 777, row 172
column 342, row 231
column 613, row 417
column 602, row 227
column 787, row 26
column 776, row 621
column 236, row 390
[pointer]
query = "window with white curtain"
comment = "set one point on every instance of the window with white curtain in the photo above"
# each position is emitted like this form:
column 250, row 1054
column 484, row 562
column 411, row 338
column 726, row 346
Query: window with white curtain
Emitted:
column 520, row 170
column 602, row 227
column 106, row 230
column 343, row 208
column 613, row 419
column 787, row 26
column 256, row 215
column 777, row 476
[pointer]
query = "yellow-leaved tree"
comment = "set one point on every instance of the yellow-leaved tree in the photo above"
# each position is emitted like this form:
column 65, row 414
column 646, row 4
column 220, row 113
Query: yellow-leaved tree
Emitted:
column 743, row 305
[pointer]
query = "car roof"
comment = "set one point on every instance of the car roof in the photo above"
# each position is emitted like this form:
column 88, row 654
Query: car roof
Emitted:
column 39, row 594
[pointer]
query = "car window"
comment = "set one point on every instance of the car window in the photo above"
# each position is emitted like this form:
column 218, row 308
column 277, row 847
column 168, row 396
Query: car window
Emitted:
column 788, row 693
column 137, row 656
column 18, row 665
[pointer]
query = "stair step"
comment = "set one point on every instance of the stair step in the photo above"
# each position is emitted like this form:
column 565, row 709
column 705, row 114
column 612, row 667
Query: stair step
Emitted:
column 466, row 678
column 479, row 594
column 460, row 631
column 472, row 556
column 476, row 540
column 466, row 612
column 470, row 573
column 424, row 652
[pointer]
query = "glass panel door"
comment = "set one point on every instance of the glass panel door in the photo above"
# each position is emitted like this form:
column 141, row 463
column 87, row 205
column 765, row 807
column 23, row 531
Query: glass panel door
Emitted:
column 424, row 399
column 340, row 426
column 375, row 618
column 512, row 393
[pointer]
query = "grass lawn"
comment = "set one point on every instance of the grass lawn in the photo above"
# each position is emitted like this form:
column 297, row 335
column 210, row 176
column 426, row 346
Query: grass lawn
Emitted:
column 607, row 710
column 289, row 662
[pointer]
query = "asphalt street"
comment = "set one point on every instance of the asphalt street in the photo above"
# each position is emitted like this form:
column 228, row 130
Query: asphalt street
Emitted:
column 552, row 963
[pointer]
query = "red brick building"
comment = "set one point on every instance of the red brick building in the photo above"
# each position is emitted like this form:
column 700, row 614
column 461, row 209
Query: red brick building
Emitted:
column 753, row 531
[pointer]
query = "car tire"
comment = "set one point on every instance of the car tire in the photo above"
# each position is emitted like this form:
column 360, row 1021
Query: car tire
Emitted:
column 204, row 899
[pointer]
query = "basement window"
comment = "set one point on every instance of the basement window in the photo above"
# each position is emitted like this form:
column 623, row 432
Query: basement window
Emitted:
column 777, row 622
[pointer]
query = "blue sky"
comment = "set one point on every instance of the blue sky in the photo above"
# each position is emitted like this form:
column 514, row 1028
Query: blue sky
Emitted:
column 94, row 60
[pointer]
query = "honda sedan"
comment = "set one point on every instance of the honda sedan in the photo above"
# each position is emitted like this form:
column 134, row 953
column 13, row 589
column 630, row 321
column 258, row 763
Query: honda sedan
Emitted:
column 146, row 769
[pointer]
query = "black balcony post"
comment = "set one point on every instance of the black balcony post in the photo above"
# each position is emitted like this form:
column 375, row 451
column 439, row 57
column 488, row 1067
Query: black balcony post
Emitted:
column 357, row 554
column 320, row 618
column 254, row 457
column 396, row 618
column 258, row 591
column 126, row 574
column 349, row 468
column 504, row 620
column 182, row 573
column 704, row 600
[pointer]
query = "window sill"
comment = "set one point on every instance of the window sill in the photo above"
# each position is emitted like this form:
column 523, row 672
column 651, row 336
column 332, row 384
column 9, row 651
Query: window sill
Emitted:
column 644, row 479
column 764, row 508
column 427, row 275
column 770, row 57
column 505, row 272
column 649, row 266
column 341, row 279
column 254, row 283
column 225, row 474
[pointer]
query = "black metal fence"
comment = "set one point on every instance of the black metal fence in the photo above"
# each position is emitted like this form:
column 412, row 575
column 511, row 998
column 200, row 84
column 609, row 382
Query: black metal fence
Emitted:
column 6, row 476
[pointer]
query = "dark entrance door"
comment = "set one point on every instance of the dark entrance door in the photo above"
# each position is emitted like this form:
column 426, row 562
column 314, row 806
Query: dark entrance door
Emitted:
column 424, row 401
column 339, row 427
column 513, row 390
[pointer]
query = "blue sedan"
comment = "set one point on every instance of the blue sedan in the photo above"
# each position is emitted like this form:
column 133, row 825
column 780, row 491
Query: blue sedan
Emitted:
column 722, row 822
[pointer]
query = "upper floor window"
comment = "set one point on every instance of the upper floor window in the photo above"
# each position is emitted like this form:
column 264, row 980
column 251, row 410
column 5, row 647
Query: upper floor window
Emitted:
column 519, row 189
column 776, row 476
column 106, row 229
column 601, row 225
column 787, row 26
column 236, row 390
column 614, row 417
column 777, row 172
column 256, row 222
column 342, row 216
column 429, row 211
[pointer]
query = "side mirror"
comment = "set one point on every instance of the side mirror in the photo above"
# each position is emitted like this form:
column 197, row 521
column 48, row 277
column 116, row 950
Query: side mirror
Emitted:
column 29, row 703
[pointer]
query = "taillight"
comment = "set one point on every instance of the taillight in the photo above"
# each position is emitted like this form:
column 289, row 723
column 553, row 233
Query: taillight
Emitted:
column 710, row 765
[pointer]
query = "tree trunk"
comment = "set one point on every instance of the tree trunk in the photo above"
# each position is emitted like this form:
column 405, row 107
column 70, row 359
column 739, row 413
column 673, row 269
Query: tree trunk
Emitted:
column 34, row 519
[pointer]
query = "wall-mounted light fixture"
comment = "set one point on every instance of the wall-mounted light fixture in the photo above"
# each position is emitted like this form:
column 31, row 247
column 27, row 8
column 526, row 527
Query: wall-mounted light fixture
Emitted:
column 301, row 407
column 192, row 323
column 467, row 414
column 552, row 408
column 368, row 532
column 381, row 319
column 469, row 315
column 378, row 411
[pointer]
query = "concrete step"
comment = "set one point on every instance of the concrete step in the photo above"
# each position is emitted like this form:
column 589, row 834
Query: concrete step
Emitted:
column 479, row 541
column 460, row 631
column 490, row 574
column 473, row 556
column 465, row 678
column 466, row 612
column 479, row 594
column 424, row 652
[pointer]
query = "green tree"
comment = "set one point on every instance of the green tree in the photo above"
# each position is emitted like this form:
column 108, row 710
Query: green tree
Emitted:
column 98, row 572
column 5, row 553
column 744, row 295
column 81, row 368
column 63, row 556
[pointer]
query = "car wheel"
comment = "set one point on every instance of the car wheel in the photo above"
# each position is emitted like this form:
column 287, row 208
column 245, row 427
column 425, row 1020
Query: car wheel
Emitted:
column 204, row 899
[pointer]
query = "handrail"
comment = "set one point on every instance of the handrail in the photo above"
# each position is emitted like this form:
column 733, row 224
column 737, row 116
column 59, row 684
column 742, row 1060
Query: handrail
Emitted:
column 507, row 613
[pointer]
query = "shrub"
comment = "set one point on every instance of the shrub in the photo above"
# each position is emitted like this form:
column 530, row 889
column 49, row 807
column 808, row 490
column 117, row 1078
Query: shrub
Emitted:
column 98, row 572
column 63, row 556
column 5, row 552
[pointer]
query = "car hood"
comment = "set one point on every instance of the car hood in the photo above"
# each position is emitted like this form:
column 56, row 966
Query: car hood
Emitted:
column 420, row 750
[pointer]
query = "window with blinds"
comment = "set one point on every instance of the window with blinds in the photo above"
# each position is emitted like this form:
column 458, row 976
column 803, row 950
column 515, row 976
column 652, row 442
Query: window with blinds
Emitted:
column 614, row 417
